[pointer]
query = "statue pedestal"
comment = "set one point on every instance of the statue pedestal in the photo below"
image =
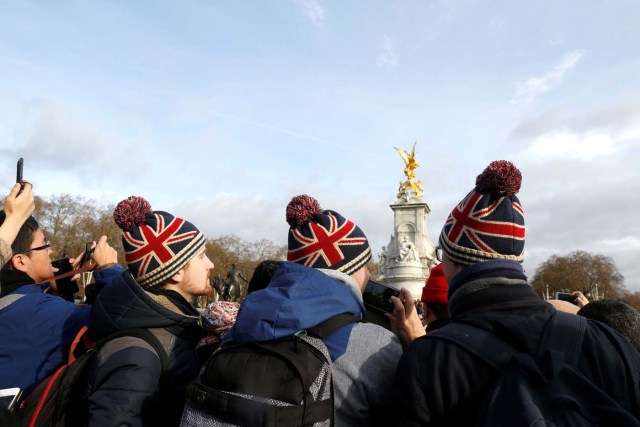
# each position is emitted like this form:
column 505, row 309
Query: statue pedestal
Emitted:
column 408, row 258
column 408, row 276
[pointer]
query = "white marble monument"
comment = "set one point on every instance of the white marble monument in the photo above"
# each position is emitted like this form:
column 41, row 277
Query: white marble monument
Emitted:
column 406, row 261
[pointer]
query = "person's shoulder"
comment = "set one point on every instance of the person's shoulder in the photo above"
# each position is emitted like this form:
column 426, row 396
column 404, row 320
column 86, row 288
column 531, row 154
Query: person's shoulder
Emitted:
column 52, row 306
column 129, row 353
column 28, row 289
column 598, row 334
column 431, row 344
column 374, row 334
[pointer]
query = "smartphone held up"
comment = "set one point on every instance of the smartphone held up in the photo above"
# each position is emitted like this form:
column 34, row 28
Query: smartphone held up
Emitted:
column 19, row 166
column 378, row 296
column 566, row 296
column 19, row 170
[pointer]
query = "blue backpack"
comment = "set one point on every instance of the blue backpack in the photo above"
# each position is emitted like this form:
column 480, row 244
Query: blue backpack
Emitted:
column 542, row 390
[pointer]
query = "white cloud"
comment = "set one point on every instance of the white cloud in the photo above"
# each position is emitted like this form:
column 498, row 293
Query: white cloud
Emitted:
column 313, row 10
column 575, row 204
column 534, row 86
column 388, row 57
column 628, row 242
column 573, row 146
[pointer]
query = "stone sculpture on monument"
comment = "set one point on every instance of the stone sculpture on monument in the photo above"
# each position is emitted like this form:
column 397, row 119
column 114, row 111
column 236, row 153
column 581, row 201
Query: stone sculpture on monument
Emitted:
column 406, row 261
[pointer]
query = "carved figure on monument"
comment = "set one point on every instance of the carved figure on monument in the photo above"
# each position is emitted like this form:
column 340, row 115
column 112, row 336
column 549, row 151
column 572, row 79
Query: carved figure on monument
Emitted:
column 409, row 187
column 384, row 261
column 407, row 251
column 430, row 255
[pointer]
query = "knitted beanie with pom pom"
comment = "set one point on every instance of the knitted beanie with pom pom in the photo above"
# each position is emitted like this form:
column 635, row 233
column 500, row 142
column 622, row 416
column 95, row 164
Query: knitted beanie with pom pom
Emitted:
column 156, row 244
column 323, row 238
column 489, row 222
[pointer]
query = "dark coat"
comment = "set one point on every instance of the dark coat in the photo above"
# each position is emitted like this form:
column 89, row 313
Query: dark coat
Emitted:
column 440, row 384
column 125, row 380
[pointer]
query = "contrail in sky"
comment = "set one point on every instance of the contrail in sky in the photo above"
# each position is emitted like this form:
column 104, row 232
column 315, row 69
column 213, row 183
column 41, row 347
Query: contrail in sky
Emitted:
column 284, row 131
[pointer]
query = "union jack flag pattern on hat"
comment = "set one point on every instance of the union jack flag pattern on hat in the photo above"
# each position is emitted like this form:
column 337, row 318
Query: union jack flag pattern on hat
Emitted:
column 156, row 244
column 489, row 222
column 323, row 238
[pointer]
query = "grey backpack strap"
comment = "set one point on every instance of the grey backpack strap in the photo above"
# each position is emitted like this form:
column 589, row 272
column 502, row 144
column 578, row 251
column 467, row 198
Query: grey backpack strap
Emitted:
column 6, row 301
column 152, row 339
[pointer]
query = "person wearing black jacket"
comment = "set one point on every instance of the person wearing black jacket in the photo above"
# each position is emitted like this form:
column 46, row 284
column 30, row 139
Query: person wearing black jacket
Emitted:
column 167, row 268
column 439, row 383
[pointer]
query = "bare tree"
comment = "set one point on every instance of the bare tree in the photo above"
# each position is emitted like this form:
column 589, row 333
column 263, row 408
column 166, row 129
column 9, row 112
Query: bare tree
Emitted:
column 580, row 271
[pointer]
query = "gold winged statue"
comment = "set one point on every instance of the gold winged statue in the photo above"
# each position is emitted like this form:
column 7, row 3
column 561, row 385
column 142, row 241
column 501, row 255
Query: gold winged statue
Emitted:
column 410, row 172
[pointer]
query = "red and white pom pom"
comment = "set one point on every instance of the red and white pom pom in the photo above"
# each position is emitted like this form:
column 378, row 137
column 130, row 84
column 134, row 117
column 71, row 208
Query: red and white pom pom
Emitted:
column 131, row 212
column 500, row 178
column 301, row 209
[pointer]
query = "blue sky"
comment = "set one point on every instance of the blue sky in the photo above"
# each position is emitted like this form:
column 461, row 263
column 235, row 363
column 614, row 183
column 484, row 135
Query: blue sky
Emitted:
column 222, row 111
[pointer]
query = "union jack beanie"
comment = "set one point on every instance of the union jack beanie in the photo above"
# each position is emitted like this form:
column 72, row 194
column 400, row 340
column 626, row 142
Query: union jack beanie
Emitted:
column 489, row 222
column 323, row 238
column 156, row 244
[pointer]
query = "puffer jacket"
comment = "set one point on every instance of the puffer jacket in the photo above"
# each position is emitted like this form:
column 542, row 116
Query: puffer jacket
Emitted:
column 124, row 382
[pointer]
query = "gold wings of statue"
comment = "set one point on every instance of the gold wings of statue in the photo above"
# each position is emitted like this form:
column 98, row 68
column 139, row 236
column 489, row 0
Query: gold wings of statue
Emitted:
column 410, row 165
column 409, row 161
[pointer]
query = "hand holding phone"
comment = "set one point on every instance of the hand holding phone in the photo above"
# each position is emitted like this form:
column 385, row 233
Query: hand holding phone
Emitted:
column 103, row 253
column 404, row 320
column 20, row 203
column 566, row 296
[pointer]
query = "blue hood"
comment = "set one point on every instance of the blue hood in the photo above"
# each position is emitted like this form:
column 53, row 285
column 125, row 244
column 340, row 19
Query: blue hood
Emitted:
column 297, row 298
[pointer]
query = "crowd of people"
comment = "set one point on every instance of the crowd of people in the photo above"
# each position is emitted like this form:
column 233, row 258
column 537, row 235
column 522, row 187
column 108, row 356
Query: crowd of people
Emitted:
column 434, row 370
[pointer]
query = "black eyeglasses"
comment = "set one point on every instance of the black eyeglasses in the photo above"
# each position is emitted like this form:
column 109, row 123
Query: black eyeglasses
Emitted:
column 438, row 250
column 47, row 245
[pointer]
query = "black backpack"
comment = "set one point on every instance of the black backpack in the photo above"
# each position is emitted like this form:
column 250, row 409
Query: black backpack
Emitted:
column 542, row 390
column 54, row 402
column 285, row 382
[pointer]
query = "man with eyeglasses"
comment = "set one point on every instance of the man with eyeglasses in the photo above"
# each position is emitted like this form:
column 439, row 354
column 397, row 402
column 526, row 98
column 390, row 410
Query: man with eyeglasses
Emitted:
column 37, row 328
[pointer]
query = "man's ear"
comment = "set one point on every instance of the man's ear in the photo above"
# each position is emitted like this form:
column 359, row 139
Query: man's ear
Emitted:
column 178, row 277
column 20, row 262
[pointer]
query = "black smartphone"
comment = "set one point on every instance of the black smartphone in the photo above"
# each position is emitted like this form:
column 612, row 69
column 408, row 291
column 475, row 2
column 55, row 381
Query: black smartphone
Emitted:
column 65, row 285
column 19, row 174
column 19, row 170
column 88, row 250
column 9, row 397
column 378, row 296
column 566, row 296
